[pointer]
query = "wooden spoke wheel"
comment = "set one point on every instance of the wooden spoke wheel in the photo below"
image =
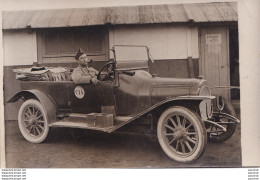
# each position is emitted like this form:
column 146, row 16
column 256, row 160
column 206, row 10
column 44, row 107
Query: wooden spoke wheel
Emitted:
column 32, row 120
column 181, row 134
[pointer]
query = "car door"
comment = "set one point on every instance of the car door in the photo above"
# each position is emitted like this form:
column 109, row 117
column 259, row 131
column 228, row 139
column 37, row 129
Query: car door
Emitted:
column 89, row 98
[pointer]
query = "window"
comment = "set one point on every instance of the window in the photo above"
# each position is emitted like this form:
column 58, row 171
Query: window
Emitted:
column 61, row 44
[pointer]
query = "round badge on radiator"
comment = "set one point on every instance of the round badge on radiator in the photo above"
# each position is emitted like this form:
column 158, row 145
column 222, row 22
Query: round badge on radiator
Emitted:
column 79, row 92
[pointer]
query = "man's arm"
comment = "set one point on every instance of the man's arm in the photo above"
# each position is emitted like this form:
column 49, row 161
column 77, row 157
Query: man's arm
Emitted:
column 94, row 70
column 78, row 78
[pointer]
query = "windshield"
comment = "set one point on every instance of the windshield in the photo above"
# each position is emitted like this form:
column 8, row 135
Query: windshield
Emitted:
column 131, row 53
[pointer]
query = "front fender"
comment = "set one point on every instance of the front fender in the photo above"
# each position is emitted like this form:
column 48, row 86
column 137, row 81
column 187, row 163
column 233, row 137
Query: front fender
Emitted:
column 185, row 100
column 44, row 99
column 168, row 102
column 204, row 104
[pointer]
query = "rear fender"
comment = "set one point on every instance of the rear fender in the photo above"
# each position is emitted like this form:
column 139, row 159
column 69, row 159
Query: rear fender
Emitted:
column 48, row 104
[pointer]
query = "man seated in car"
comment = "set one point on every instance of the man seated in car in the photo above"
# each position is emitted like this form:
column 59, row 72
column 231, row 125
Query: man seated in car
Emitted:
column 84, row 74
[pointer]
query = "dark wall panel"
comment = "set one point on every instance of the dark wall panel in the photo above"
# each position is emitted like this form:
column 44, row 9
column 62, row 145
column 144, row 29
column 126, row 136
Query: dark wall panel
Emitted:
column 11, row 86
column 196, row 67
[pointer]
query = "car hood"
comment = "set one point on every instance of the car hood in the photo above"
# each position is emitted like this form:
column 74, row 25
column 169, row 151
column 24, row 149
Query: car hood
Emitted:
column 172, row 87
column 143, row 84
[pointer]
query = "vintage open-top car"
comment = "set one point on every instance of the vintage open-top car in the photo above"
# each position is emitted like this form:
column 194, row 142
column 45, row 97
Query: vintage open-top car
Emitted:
column 181, row 112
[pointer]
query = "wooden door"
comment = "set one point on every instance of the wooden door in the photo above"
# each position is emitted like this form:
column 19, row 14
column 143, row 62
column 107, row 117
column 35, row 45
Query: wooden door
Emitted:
column 214, row 58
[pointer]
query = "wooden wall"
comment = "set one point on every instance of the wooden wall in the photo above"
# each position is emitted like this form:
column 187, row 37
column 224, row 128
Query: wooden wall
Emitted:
column 166, row 41
column 215, row 64
column 19, row 47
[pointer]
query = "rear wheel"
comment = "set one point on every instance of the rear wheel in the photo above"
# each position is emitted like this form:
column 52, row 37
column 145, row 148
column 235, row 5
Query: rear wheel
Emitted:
column 181, row 134
column 32, row 120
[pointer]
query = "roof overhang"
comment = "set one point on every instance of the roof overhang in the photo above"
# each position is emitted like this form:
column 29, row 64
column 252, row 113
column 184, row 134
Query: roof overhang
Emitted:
column 144, row 14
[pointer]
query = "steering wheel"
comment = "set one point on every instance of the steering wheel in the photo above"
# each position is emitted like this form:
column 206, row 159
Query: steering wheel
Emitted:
column 108, row 73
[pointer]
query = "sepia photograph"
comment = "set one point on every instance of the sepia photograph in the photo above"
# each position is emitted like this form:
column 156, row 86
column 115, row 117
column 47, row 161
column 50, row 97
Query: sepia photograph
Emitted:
column 145, row 84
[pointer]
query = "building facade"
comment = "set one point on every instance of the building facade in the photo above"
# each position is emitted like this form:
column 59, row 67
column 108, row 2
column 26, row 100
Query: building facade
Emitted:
column 185, row 40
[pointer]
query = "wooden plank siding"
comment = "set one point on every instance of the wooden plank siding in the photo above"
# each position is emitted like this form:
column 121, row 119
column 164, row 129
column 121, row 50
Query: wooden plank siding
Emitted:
column 19, row 47
column 214, row 58
column 165, row 41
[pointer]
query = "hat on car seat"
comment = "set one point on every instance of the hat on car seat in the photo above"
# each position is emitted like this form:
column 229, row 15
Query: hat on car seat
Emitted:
column 80, row 52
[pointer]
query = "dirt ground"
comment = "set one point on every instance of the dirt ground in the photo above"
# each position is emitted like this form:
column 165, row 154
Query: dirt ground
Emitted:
column 74, row 148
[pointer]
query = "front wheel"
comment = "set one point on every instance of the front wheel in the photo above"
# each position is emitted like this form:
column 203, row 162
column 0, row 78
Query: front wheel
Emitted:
column 181, row 134
column 217, row 135
column 32, row 120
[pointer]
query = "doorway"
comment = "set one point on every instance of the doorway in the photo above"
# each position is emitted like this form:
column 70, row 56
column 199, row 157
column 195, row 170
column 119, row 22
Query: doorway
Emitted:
column 214, row 59
column 234, row 62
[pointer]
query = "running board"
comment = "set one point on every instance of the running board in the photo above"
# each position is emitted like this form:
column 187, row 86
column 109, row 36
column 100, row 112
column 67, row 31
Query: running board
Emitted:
column 93, row 121
column 77, row 125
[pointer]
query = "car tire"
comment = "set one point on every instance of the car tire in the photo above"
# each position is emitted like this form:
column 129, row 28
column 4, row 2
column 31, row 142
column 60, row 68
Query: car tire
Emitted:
column 181, row 134
column 228, row 108
column 32, row 121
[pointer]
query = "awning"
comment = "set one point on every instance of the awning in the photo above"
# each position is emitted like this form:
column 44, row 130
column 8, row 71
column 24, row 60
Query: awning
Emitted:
column 145, row 14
